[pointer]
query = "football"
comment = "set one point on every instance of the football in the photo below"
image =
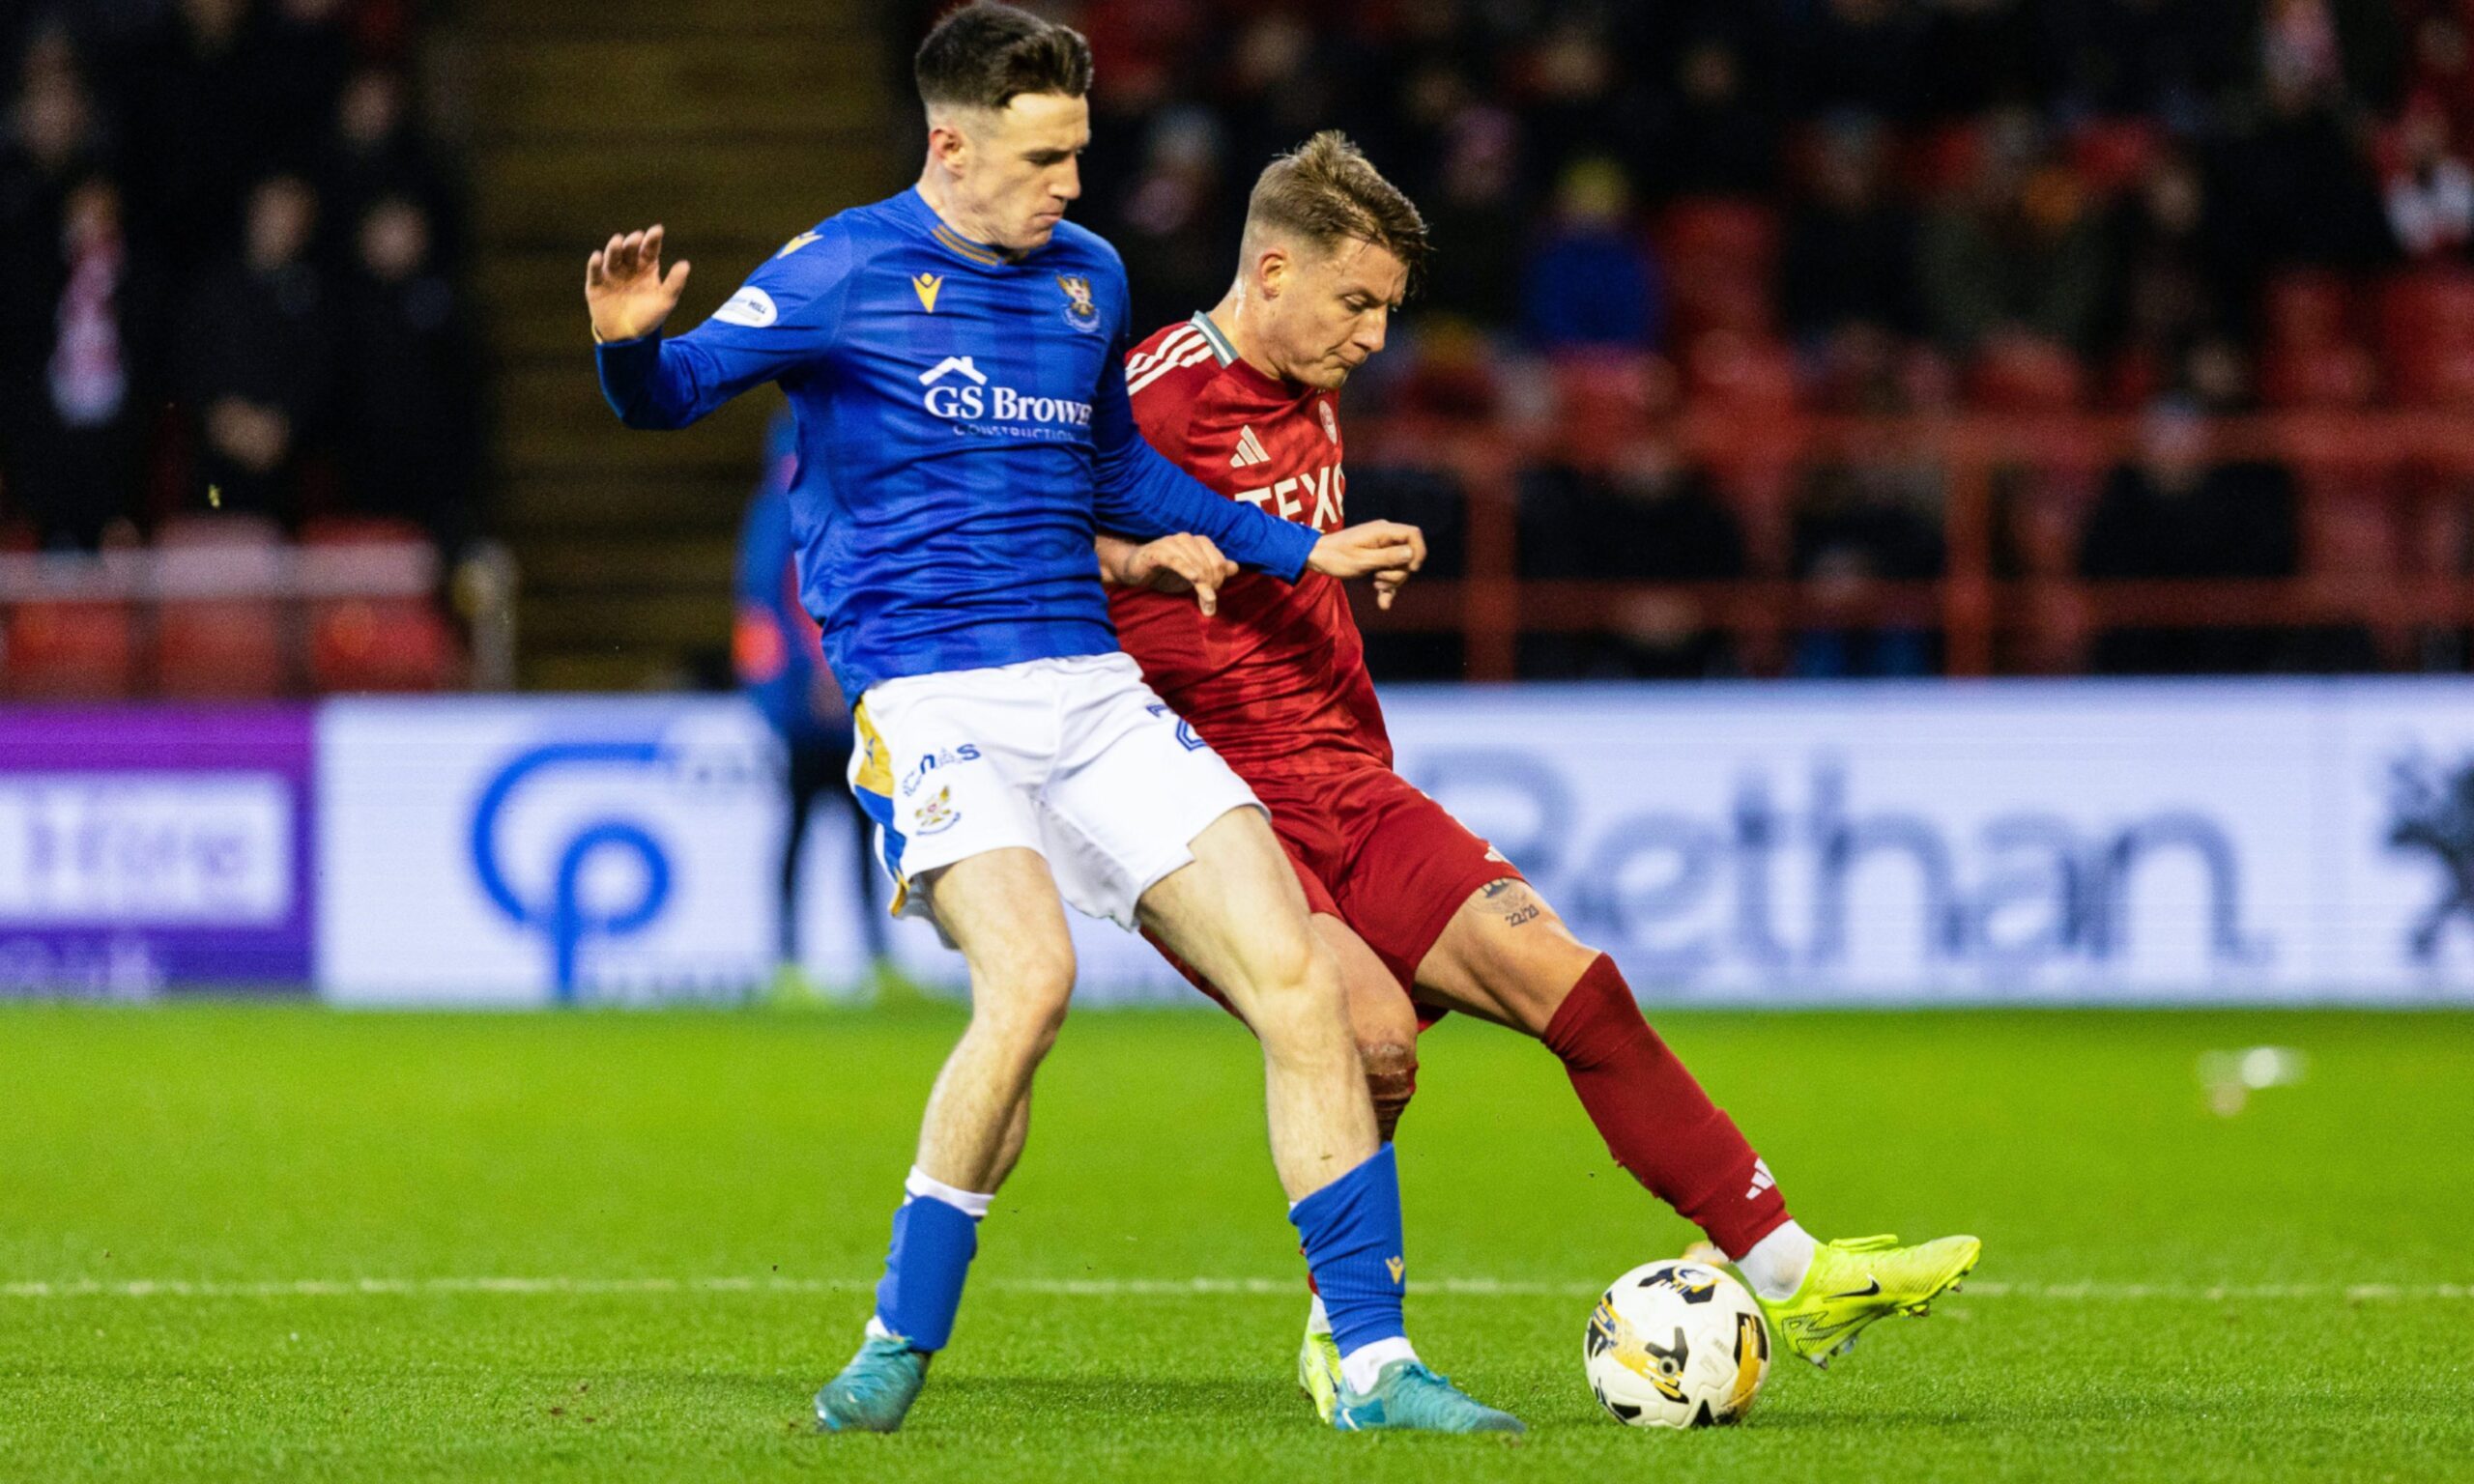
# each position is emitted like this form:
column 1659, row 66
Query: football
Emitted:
column 1676, row 1344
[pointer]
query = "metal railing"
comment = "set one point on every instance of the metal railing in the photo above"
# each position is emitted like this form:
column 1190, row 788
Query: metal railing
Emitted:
column 1974, row 605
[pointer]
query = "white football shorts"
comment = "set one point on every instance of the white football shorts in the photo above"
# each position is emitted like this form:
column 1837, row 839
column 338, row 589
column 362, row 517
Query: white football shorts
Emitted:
column 1076, row 759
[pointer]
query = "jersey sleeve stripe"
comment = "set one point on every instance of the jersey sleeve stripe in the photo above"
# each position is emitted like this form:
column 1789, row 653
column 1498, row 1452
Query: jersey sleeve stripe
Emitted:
column 1177, row 342
column 1194, row 356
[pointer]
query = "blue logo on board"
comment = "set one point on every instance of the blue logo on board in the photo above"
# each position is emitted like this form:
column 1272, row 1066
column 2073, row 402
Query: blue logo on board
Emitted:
column 561, row 914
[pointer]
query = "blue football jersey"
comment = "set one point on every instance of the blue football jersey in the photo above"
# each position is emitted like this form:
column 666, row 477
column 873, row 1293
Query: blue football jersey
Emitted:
column 962, row 431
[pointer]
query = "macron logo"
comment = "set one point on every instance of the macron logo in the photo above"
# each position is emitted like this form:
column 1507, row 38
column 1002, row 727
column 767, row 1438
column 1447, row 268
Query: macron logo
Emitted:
column 1250, row 450
column 952, row 365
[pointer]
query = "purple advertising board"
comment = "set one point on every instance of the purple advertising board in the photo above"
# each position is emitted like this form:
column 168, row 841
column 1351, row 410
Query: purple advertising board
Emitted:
column 146, row 848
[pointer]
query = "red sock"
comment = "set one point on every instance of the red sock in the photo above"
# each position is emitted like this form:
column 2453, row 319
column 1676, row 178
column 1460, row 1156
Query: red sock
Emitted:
column 1655, row 1117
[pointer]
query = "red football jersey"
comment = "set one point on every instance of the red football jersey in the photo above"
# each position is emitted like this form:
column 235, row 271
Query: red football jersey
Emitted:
column 1276, row 680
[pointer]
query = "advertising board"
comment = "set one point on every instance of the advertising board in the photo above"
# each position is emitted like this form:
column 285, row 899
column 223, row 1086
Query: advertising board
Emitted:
column 144, row 849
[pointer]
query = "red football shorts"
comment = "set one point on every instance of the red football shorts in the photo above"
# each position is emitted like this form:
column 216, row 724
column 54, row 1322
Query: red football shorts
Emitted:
column 1380, row 856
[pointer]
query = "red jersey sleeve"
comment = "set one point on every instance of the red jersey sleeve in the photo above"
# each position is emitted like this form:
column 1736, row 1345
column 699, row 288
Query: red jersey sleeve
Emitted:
column 1276, row 679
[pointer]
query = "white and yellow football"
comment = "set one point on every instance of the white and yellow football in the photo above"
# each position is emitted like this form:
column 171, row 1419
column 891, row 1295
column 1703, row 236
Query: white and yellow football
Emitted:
column 1676, row 1344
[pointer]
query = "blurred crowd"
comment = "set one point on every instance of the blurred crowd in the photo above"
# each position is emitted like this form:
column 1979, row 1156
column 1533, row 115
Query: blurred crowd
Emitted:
column 230, row 252
column 2174, row 208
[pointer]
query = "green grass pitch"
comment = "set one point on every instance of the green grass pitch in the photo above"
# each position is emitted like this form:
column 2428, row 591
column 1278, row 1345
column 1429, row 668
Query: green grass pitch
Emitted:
column 249, row 1241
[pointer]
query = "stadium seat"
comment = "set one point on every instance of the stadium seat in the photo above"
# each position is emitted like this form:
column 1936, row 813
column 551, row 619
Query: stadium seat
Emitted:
column 2321, row 375
column 1738, row 374
column 2306, row 308
column 71, row 650
column 1730, row 296
column 2111, row 155
column 1722, row 230
column 389, row 636
column 1605, row 399
column 2024, row 374
column 220, row 628
column 2427, row 327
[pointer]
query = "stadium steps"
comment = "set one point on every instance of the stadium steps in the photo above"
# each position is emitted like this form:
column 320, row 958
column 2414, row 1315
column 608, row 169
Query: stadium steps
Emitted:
column 736, row 125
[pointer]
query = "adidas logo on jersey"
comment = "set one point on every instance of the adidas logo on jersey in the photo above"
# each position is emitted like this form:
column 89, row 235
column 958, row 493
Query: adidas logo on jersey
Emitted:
column 1250, row 450
column 1761, row 1180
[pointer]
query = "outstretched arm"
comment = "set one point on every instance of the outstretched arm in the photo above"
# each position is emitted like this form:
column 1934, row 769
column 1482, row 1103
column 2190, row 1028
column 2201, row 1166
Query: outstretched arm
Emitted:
column 782, row 318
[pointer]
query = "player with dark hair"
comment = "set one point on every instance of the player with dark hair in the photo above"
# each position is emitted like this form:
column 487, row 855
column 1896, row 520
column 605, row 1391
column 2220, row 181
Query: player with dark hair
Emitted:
column 955, row 360
column 1423, row 916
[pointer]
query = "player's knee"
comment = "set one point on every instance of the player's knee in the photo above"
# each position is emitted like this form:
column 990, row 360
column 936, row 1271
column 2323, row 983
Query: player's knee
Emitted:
column 1391, row 1081
column 1297, row 1005
column 1294, row 971
column 1024, row 1003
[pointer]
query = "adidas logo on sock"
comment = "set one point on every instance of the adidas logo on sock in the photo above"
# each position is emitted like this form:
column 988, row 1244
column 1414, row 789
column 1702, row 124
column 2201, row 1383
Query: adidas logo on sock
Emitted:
column 1250, row 450
column 1762, row 1179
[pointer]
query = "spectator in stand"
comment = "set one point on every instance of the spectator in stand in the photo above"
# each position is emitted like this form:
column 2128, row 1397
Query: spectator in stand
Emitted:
column 410, row 415
column 307, row 48
column 2442, row 71
column 375, row 150
column 778, row 653
column 80, row 431
column 1717, row 140
column 1477, row 275
column 1176, row 219
column 2180, row 281
column 2169, row 59
column 1574, row 107
column 1649, row 517
column 201, row 94
column 258, row 352
column 54, row 141
column 1850, row 245
column 2298, row 179
column 2019, row 253
column 1592, row 283
column 2430, row 191
column 1858, row 523
column 2178, row 512
column 1982, row 54
column 1861, row 56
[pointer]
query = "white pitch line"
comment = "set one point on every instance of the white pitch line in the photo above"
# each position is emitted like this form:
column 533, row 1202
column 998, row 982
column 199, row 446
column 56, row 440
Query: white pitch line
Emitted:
column 1133, row 1287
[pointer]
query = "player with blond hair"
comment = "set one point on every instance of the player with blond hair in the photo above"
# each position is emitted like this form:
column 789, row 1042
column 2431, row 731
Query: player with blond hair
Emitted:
column 1422, row 916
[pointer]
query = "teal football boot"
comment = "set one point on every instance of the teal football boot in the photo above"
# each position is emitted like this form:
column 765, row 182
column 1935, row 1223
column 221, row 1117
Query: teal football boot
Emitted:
column 874, row 1391
column 1407, row 1397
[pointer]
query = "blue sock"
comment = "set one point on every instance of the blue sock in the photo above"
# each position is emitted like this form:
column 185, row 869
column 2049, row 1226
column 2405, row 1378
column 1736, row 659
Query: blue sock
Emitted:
column 932, row 1244
column 1351, row 1232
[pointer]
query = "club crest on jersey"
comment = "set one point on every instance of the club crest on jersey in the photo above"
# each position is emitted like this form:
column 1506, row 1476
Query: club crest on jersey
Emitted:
column 1331, row 424
column 926, row 286
column 1080, row 310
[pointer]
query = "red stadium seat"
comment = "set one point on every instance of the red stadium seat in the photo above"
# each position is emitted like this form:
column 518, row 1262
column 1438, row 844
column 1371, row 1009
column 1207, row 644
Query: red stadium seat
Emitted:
column 2427, row 328
column 2024, row 374
column 2308, row 307
column 388, row 635
column 1728, row 296
column 2322, row 376
column 1738, row 375
column 71, row 650
column 2111, row 155
column 1605, row 399
column 381, row 644
column 220, row 628
column 1719, row 230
